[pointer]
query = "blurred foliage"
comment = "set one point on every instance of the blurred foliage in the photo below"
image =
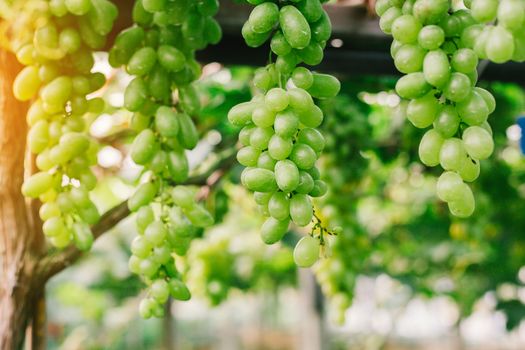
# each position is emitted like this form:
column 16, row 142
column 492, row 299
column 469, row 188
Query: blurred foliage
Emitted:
column 394, row 223
column 379, row 192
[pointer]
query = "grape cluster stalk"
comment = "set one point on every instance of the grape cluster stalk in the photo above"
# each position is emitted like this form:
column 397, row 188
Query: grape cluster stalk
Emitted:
column 279, row 135
column 159, row 52
column 438, row 48
column 57, row 78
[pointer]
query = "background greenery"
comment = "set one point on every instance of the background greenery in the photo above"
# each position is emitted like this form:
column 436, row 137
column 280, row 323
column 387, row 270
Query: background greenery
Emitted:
column 396, row 232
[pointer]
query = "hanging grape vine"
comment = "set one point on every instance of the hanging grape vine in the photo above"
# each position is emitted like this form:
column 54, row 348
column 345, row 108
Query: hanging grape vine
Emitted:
column 279, row 133
column 438, row 47
column 159, row 52
column 58, row 58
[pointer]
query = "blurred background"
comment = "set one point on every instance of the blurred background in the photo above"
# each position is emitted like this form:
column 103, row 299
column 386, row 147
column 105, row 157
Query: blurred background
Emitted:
column 403, row 274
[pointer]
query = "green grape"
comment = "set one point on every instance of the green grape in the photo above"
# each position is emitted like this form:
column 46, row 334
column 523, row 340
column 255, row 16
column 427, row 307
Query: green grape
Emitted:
column 484, row 10
column 38, row 137
column 26, row 84
column 511, row 14
column 254, row 39
column 141, row 247
column 478, row 142
column 279, row 206
column 465, row 205
column 263, row 117
column 470, row 170
column 280, row 148
column 452, row 154
column 188, row 135
column 488, row 98
column 312, row 54
column 302, row 78
column 431, row 37
column 266, row 161
column 260, row 138
column 313, row 138
column 409, row 58
column 142, row 61
column 279, row 45
column 178, row 166
column 287, row 175
column 470, row 35
column 135, row 95
column 295, row 27
column 458, row 87
column 473, row 110
column 144, row 147
column 387, row 19
column 381, row 6
column 447, row 121
column 412, row 85
column 430, row 147
column 321, row 30
column 301, row 210
column 248, row 156
column 311, row 9
column 405, row 29
column 199, row 216
column 160, row 291
column 306, row 183
column 273, row 230
column 166, row 122
column 285, row 123
column 143, row 196
column 303, row 155
column 178, row 290
column 264, row 17
column 500, row 45
column 324, row 86
column 37, row 184
column 241, row 114
column 430, row 11
column 155, row 233
column 436, row 68
column 394, row 48
column 49, row 210
column 145, row 216
column 277, row 99
column 449, row 186
column 464, row 60
column 311, row 118
column 300, row 100
column 260, row 180
column 423, row 111
column 320, row 188
column 306, row 252
column 54, row 226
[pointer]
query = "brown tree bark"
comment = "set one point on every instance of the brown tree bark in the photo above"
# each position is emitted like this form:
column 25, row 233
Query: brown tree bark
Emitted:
column 20, row 238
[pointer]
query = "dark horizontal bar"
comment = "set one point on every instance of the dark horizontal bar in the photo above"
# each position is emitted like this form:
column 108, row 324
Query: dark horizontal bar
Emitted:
column 365, row 49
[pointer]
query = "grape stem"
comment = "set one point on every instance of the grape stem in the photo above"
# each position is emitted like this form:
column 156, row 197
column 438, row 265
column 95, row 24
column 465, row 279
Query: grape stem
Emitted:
column 318, row 225
column 57, row 260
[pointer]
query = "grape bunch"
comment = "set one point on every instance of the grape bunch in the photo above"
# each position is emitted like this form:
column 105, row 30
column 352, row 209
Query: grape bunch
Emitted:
column 500, row 36
column 279, row 135
column 159, row 52
column 58, row 58
column 438, row 49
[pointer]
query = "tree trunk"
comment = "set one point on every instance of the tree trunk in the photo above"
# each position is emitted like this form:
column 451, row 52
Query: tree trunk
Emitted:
column 20, row 238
